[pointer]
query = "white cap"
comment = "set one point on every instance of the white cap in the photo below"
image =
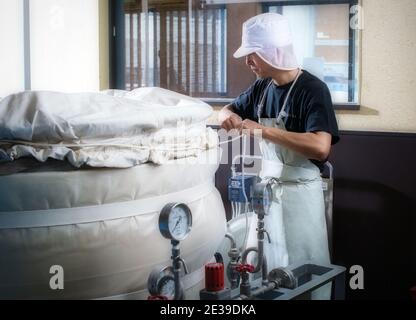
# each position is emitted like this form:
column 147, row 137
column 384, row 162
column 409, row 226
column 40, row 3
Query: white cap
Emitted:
column 269, row 36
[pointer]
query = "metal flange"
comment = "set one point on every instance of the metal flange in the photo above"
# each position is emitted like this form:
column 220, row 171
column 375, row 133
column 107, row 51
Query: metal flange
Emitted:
column 284, row 278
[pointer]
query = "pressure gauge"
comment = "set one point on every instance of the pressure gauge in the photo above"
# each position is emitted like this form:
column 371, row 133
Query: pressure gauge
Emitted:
column 175, row 221
column 262, row 198
column 162, row 283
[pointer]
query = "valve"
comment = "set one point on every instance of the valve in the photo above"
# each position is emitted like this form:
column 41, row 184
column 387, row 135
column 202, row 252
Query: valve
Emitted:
column 156, row 297
column 214, row 277
column 244, row 267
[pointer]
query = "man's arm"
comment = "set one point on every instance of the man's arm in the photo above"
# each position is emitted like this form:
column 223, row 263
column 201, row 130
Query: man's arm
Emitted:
column 313, row 145
column 228, row 119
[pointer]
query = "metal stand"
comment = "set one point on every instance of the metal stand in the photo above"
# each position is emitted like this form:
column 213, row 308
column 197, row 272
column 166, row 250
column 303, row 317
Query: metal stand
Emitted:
column 176, row 264
column 309, row 277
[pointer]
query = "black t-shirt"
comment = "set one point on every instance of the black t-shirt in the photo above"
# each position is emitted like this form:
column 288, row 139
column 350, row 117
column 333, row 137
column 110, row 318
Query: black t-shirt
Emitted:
column 309, row 106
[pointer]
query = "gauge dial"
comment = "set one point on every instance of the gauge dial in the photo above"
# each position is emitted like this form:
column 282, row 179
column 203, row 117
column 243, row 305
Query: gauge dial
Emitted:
column 178, row 222
column 167, row 287
column 262, row 198
column 175, row 221
column 161, row 282
column 267, row 198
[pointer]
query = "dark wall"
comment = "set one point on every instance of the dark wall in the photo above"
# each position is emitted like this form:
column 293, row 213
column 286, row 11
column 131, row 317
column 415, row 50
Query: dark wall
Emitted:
column 374, row 218
column 374, row 211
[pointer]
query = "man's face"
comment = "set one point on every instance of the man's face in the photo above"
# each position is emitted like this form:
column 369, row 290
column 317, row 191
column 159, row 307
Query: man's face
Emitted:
column 258, row 66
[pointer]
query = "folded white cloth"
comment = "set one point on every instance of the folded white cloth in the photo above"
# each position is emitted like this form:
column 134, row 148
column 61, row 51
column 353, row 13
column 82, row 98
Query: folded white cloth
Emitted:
column 108, row 129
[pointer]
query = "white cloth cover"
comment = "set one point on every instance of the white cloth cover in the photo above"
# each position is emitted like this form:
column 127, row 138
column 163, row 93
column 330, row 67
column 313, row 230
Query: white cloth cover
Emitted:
column 108, row 129
column 101, row 226
column 269, row 36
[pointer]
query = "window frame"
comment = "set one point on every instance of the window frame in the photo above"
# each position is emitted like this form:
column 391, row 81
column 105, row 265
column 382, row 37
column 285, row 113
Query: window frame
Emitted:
column 352, row 41
column 117, row 48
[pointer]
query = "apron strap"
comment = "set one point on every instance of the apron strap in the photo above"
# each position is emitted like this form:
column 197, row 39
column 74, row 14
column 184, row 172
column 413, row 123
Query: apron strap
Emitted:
column 299, row 174
column 288, row 174
column 283, row 113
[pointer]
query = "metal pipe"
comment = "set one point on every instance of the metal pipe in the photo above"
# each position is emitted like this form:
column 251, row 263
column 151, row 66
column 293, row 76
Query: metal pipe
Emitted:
column 234, row 254
column 185, row 268
column 260, row 245
column 263, row 289
column 176, row 263
column 271, row 285
column 232, row 239
column 263, row 265
column 264, row 270
column 245, row 286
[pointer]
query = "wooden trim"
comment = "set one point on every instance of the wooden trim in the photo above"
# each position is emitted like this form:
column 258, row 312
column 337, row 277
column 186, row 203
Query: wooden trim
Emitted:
column 352, row 106
column 378, row 134
column 163, row 50
column 220, row 102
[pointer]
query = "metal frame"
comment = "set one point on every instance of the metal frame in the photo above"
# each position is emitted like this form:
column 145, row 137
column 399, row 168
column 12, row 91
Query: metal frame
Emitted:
column 351, row 43
column 310, row 277
column 117, row 47
column 351, row 56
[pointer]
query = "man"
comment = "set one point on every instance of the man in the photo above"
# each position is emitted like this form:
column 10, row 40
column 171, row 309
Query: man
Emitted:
column 293, row 110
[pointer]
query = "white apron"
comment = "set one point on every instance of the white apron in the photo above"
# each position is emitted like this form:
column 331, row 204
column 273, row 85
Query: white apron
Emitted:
column 296, row 222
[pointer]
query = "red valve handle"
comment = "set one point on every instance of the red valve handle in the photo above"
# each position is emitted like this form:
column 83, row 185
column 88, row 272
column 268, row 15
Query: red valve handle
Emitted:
column 157, row 298
column 244, row 267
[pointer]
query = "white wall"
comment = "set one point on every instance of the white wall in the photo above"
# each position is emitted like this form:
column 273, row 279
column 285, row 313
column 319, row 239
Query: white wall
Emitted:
column 388, row 86
column 11, row 47
column 65, row 45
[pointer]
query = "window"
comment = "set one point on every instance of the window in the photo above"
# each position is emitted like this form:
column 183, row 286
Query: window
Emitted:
column 187, row 45
column 49, row 45
column 12, row 60
column 170, row 46
column 324, row 43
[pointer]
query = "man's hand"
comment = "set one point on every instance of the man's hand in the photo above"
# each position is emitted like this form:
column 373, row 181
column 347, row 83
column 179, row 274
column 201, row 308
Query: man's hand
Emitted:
column 250, row 126
column 233, row 121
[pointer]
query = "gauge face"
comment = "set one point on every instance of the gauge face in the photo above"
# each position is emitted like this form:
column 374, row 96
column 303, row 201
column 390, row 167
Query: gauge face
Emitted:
column 161, row 282
column 175, row 221
column 178, row 222
column 267, row 198
column 167, row 287
column 262, row 198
